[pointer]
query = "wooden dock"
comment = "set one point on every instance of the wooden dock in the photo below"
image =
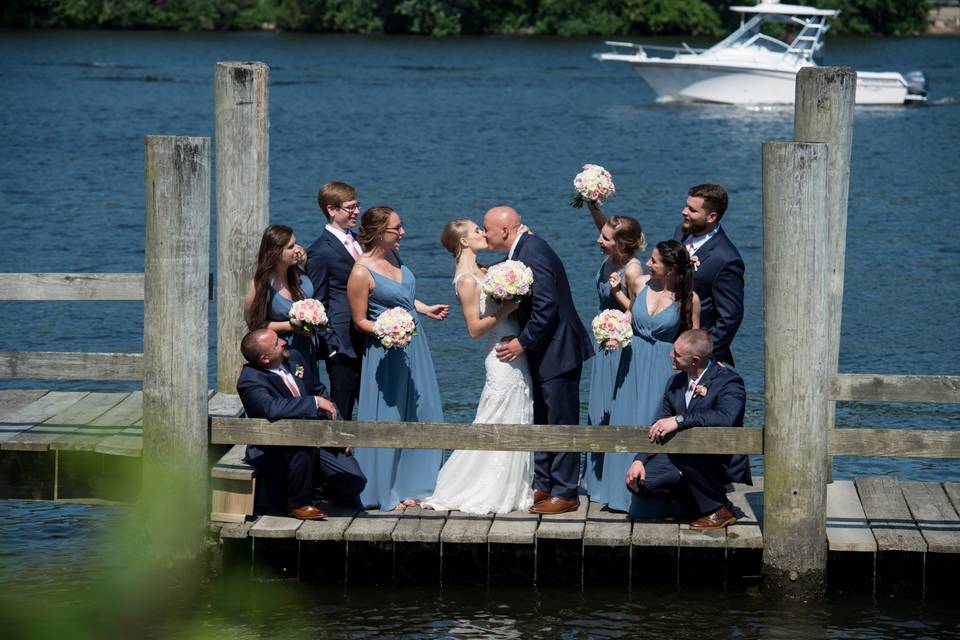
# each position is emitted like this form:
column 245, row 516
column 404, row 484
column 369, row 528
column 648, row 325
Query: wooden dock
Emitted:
column 883, row 537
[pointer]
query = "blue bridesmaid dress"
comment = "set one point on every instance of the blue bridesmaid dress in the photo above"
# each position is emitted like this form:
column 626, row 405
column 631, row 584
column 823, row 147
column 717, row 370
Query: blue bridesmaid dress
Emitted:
column 397, row 385
column 278, row 310
column 638, row 394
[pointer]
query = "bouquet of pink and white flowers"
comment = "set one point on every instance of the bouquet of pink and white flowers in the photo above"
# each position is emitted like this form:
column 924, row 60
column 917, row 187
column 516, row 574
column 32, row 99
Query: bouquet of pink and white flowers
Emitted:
column 395, row 328
column 611, row 329
column 508, row 280
column 593, row 183
column 309, row 314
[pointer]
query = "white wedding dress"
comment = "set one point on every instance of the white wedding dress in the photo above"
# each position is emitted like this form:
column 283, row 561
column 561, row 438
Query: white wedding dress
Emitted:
column 492, row 481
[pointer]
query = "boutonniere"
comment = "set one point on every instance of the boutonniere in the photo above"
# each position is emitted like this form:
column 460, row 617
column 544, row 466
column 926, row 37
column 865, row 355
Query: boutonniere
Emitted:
column 700, row 390
column 299, row 371
column 695, row 261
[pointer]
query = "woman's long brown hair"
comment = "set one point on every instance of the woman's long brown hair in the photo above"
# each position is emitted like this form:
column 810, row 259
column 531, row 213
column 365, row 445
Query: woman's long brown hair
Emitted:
column 274, row 240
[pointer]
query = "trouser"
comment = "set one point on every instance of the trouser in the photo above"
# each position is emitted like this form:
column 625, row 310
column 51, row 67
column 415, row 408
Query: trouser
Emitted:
column 697, row 480
column 344, row 374
column 557, row 401
column 308, row 473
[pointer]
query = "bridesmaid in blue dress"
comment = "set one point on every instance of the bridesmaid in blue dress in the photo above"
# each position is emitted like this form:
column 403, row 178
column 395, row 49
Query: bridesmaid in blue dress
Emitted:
column 277, row 283
column 396, row 385
column 665, row 306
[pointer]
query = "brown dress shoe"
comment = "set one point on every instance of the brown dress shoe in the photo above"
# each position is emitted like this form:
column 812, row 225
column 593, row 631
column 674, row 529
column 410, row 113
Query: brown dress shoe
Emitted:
column 553, row 504
column 540, row 496
column 716, row 520
column 308, row 512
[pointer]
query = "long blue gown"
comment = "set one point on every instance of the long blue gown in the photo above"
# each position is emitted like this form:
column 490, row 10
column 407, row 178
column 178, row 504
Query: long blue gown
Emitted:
column 638, row 393
column 278, row 310
column 397, row 385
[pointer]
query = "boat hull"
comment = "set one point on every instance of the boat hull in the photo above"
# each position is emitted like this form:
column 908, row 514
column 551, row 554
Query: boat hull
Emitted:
column 734, row 85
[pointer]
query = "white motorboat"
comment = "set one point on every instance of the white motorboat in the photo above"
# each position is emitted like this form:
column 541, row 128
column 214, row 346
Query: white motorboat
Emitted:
column 751, row 67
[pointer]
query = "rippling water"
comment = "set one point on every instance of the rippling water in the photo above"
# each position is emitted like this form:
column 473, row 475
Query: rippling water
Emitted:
column 446, row 128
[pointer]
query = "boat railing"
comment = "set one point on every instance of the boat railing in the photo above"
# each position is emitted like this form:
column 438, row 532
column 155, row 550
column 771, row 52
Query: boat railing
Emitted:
column 642, row 49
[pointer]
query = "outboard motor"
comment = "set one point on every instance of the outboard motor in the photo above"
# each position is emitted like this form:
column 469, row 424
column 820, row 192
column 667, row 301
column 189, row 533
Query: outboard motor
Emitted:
column 916, row 83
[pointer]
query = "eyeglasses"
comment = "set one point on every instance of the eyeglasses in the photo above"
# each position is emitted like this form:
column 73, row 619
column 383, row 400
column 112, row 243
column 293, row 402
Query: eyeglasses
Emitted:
column 395, row 229
column 350, row 207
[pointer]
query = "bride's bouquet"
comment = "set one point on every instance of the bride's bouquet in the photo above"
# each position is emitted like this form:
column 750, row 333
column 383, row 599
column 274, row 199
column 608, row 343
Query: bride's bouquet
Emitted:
column 395, row 328
column 508, row 280
column 611, row 329
column 309, row 314
column 593, row 183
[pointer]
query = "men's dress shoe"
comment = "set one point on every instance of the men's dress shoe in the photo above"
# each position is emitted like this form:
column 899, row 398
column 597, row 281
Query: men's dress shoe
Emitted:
column 308, row 512
column 716, row 520
column 540, row 496
column 553, row 504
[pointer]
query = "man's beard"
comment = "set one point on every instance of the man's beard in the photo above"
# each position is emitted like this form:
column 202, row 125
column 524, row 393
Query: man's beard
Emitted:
column 690, row 228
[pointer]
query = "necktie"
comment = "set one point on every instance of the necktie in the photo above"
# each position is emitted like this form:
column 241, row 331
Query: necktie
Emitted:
column 351, row 245
column 689, row 246
column 290, row 382
column 688, row 396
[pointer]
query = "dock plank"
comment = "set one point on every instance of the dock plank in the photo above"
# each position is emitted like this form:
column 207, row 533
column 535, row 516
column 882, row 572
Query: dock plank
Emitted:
column 655, row 534
column 124, row 414
column 745, row 533
column 419, row 525
column 889, row 517
column 275, row 527
column 935, row 516
column 12, row 400
column 564, row 526
column 25, row 418
column 224, row 405
column 129, row 442
column 331, row 529
column 466, row 528
column 952, row 489
column 85, row 437
column 516, row 527
column 235, row 530
column 847, row 525
column 605, row 528
column 372, row 525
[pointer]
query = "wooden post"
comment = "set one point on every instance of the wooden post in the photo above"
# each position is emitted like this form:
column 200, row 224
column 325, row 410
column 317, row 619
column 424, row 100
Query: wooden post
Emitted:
column 824, row 113
column 175, row 310
column 796, row 380
column 243, row 200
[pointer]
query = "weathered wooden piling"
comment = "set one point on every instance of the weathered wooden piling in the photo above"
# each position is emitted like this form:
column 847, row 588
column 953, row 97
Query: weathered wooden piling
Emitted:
column 243, row 199
column 176, row 264
column 824, row 113
column 796, row 363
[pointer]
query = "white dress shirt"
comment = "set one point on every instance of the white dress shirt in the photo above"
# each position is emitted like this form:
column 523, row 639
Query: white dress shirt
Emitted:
column 691, row 384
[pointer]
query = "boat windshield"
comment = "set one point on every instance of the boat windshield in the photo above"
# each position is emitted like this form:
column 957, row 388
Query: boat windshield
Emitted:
column 778, row 33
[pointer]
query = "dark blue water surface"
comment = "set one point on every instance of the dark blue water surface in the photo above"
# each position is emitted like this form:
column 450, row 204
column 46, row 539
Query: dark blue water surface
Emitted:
column 441, row 129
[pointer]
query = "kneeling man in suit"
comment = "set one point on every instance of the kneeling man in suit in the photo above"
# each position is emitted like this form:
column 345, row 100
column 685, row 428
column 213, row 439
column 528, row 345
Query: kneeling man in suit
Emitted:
column 704, row 393
column 276, row 384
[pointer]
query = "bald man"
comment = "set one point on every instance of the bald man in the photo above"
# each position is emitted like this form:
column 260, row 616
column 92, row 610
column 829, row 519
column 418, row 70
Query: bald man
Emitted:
column 556, row 345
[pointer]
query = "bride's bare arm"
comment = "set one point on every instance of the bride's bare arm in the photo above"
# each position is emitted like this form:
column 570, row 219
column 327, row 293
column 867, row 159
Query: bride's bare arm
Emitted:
column 468, row 291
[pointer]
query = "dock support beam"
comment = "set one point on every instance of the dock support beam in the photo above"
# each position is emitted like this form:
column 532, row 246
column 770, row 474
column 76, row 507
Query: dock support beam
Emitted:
column 824, row 113
column 175, row 317
column 243, row 200
column 796, row 362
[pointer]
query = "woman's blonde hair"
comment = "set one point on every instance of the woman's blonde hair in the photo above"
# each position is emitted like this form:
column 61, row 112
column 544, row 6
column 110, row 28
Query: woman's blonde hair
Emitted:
column 452, row 234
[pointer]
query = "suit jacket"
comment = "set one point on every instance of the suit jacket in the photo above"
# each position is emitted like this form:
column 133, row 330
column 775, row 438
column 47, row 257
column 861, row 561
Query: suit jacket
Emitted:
column 551, row 331
column 718, row 281
column 265, row 395
column 723, row 406
column 328, row 266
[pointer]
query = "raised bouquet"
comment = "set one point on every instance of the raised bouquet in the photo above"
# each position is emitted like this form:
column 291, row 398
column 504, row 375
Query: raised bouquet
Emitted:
column 612, row 330
column 593, row 183
column 508, row 280
column 395, row 328
column 309, row 314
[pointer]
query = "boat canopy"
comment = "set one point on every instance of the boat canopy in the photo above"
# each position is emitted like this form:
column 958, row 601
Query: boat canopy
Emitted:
column 775, row 8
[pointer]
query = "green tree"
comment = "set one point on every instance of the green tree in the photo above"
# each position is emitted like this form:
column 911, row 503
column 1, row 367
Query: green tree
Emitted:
column 694, row 17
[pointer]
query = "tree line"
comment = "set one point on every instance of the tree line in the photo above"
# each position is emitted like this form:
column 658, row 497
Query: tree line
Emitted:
column 444, row 17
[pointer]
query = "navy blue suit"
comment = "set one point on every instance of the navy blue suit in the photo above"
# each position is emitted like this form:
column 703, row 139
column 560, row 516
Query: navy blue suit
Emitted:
column 718, row 281
column 703, row 475
column 328, row 266
column 303, row 471
column 556, row 345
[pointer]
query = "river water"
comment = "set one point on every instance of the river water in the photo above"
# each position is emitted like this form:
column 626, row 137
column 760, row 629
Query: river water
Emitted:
column 441, row 129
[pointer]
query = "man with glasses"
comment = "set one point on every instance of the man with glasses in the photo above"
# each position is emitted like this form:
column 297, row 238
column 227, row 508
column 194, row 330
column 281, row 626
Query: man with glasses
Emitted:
column 329, row 261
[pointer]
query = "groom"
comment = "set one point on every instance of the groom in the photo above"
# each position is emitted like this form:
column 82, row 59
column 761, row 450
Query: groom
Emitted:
column 556, row 345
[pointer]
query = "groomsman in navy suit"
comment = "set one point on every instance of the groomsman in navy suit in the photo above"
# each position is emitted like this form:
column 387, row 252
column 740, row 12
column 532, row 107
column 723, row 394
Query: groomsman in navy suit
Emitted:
column 556, row 345
column 705, row 393
column 718, row 275
column 277, row 384
column 329, row 261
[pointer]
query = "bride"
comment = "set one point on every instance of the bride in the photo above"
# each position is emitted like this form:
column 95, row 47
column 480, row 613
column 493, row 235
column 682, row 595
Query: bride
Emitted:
column 486, row 481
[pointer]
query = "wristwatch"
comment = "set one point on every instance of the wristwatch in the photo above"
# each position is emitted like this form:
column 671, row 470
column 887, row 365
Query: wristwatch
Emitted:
column 679, row 420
